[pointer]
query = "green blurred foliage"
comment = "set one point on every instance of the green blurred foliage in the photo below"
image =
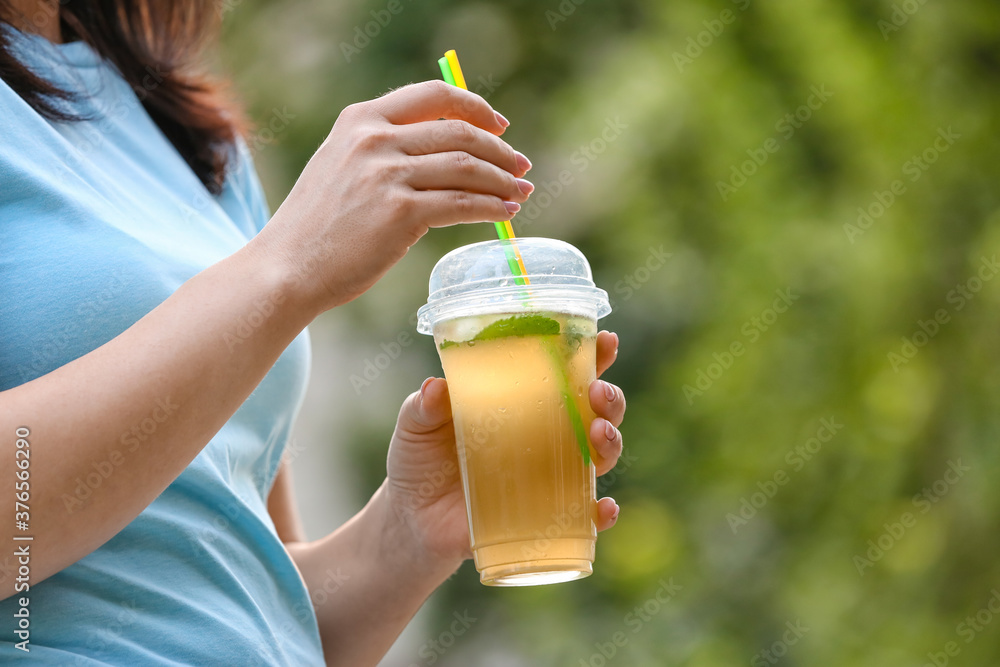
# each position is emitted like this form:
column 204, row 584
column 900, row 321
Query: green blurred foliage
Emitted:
column 897, row 73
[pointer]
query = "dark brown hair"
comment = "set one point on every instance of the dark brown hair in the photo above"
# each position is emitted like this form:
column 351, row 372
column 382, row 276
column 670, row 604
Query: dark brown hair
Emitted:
column 156, row 45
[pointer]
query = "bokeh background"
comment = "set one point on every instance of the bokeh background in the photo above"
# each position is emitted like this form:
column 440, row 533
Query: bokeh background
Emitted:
column 795, row 208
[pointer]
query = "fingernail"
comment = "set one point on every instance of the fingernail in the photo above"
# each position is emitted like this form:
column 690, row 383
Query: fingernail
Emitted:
column 424, row 385
column 614, row 517
column 512, row 207
column 523, row 163
column 500, row 119
column 609, row 431
column 524, row 186
column 609, row 392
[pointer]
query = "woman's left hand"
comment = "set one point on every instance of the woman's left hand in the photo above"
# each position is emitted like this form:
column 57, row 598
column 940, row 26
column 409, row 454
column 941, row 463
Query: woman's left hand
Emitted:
column 423, row 486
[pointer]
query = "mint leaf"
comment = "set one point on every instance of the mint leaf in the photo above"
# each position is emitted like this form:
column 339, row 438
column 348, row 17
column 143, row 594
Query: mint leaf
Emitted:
column 516, row 325
column 519, row 325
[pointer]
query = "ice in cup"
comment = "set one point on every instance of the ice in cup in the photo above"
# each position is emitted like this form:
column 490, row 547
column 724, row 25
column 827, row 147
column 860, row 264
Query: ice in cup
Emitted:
column 519, row 360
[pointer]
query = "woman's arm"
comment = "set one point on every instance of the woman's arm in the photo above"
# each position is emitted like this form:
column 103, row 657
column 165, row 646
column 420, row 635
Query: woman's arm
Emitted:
column 177, row 367
column 367, row 579
column 386, row 173
column 360, row 577
column 282, row 507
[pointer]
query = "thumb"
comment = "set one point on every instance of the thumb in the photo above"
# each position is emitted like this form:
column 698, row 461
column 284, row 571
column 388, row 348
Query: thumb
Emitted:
column 426, row 410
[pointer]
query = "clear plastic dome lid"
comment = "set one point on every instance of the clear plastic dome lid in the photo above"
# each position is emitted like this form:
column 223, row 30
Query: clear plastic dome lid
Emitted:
column 476, row 279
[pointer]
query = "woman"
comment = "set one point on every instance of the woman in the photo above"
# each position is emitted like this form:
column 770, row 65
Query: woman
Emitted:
column 154, row 350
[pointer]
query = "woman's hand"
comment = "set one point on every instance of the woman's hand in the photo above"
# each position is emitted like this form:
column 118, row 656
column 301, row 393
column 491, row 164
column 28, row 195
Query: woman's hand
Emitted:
column 424, row 488
column 388, row 171
column 413, row 533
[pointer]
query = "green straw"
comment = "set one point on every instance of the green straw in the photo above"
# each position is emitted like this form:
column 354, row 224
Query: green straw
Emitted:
column 501, row 227
column 446, row 71
column 505, row 233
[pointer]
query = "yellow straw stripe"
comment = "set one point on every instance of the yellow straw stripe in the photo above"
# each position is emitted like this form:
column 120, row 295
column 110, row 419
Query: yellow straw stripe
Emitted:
column 524, row 271
column 517, row 252
column 456, row 69
column 456, row 73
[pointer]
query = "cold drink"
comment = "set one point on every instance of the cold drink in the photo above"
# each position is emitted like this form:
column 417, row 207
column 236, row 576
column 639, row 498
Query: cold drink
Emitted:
column 518, row 346
column 526, row 466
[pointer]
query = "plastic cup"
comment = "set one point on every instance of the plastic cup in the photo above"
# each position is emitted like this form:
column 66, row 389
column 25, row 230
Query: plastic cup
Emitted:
column 519, row 360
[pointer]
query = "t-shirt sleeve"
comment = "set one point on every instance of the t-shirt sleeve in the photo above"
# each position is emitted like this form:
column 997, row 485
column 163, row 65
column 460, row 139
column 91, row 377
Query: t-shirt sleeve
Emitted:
column 242, row 195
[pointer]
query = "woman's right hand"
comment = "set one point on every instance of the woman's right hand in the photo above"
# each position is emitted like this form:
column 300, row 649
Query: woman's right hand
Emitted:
column 389, row 171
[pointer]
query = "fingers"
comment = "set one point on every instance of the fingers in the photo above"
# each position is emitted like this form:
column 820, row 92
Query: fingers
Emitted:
column 459, row 136
column 608, row 401
column 461, row 171
column 607, row 513
column 607, row 442
column 607, row 351
column 426, row 410
column 431, row 100
column 450, row 207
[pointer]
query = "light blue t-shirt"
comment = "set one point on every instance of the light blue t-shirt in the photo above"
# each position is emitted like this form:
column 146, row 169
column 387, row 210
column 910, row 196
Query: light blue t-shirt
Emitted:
column 101, row 221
